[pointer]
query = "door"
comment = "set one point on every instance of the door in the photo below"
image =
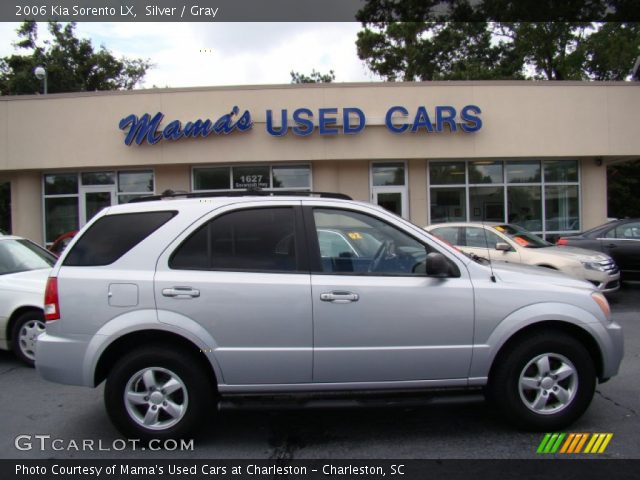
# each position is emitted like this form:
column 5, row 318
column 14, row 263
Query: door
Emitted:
column 240, row 277
column 389, row 187
column 622, row 243
column 94, row 199
column 391, row 199
column 376, row 318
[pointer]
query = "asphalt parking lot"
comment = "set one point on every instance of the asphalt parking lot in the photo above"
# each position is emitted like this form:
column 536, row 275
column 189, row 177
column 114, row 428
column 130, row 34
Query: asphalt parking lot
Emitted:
column 466, row 429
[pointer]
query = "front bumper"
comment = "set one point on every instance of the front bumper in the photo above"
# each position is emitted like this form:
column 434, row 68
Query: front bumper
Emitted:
column 603, row 282
column 611, row 342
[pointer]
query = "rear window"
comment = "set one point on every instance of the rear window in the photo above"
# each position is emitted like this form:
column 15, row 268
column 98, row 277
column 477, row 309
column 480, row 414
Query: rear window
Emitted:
column 110, row 237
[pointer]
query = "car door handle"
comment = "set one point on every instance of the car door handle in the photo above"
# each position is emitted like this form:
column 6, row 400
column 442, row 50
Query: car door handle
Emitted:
column 339, row 297
column 181, row 292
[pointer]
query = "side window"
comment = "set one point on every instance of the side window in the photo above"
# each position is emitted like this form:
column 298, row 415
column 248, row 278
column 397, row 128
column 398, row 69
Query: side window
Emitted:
column 112, row 236
column 629, row 231
column 480, row 238
column 261, row 239
column 448, row 234
column 354, row 243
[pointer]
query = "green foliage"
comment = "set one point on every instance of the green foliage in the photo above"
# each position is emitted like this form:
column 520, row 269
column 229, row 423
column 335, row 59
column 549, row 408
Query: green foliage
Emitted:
column 72, row 64
column 408, row 40
column 314, row 77
column 623, row 187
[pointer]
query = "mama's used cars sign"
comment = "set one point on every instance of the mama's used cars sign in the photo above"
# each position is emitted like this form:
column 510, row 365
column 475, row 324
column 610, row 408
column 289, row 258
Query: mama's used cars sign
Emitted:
column 303, row 122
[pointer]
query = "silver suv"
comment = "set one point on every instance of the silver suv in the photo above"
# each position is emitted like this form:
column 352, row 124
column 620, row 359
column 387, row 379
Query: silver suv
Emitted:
column 180, row 304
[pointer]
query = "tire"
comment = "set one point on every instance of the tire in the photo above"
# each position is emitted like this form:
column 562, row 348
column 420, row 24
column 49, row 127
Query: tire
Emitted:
column 24, row 335
column 141, row 408
column 523, row 387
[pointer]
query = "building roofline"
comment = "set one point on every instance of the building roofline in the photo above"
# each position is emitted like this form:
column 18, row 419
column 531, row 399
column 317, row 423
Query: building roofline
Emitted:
column 440, row 83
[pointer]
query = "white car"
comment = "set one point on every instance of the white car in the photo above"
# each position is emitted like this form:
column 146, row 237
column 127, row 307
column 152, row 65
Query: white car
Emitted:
column 512, row 243
column 24, row 268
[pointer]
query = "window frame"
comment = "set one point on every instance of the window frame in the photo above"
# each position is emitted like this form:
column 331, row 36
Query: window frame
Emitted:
column 270, row 166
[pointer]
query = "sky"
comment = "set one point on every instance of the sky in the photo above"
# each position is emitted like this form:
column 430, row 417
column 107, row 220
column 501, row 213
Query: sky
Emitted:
column 211, row 54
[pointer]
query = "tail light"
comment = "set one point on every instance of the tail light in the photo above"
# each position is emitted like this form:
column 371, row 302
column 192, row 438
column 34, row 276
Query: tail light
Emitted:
column 51, row 303
column 562, row 241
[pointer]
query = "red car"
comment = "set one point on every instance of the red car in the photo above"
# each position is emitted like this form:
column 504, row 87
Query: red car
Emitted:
column 60, row 243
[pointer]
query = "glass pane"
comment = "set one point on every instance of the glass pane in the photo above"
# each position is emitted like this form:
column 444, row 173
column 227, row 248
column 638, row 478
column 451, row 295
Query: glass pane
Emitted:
column 214, row 178
column 96, row 201
column 292, row 177
column 5, row 208
column 561, row 208
column 138, row 181
column 449, row 234
column 251, row 177
column 61, row 216
column 352, row 243
column 61, row 184
column 525, row 207
column 480, row 238
column 127, row 198
column 391, row 202
column 448, row 173
column 388, row 174
column 561, row 171
column 98, row 178
column 485, row 172
column 523, row 172
column 629, row 231
column 486, row 204
column 448, row 205
column 22, row 256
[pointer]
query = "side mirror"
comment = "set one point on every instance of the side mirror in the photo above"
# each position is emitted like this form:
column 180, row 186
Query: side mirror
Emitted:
column 437, row 265
column 503, row 246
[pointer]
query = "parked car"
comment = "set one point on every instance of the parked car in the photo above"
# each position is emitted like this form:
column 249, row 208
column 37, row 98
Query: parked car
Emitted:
column 195, row 302
column 24, row 269
column 512, row 243
column 60, row 243
column 620, row 239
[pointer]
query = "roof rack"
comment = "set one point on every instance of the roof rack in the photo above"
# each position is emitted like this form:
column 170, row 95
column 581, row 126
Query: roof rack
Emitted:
column 240, row 193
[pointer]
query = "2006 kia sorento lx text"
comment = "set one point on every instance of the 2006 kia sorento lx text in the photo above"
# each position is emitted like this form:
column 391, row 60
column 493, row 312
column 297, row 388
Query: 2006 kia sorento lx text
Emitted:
column 182, row 303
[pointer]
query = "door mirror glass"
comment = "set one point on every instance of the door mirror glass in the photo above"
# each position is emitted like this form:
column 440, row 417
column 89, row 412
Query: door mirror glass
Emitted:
column 503, row 246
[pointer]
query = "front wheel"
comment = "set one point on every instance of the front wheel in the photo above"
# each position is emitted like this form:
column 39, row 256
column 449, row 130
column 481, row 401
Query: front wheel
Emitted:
column 544, row 382
column 155, row 393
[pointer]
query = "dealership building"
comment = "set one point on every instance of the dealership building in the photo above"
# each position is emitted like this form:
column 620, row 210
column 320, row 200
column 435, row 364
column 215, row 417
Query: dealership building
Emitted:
column 532, row 153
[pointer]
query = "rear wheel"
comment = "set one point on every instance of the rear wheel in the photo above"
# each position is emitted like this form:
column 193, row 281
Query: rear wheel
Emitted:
column 25, row 334
column 154, row 393
column 544, row 382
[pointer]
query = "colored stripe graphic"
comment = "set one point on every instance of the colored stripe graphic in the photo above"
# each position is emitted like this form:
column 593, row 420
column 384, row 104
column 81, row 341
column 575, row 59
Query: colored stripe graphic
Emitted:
column 575, row 442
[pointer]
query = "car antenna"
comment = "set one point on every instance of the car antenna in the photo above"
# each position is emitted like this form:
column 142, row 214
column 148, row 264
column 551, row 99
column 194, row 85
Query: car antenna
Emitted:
column 486, row 244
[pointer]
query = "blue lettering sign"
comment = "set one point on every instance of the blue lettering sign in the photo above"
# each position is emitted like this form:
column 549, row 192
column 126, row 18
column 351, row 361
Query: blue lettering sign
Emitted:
column 283, row 124
column 301, row 121
column 148, row 129
column 473, row 123
column 445, row 115
column 422, row 120
column 388, row 119
column 325, row 121
column 349, row 129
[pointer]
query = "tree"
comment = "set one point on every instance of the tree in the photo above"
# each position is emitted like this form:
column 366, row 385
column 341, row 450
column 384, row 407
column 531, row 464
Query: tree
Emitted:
column 409, row 40
column 315, row 77
column 72, row 64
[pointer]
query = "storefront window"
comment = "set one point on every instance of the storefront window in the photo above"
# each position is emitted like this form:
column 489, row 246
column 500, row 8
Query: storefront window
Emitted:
column 561, row 208
column 291, row 177
column 61, row 184
column 61, row 216
column 486, row 204
column 98, row 178
column 540, row 196
column 448, row 205
column 447, row 173
column 524, row 207
column 485, row 172
column 135, row 182
column 250, row 177
column 211, row 178
column 386, row 174
column 523, row 172
column 561, row 171
column 259, row 176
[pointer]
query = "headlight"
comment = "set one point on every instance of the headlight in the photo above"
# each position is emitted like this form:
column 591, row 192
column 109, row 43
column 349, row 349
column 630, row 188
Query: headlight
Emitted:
column 594, row 266
column 602, row 303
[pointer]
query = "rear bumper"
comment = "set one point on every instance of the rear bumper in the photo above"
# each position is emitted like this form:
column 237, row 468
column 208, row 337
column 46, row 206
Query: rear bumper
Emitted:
column 63, row 360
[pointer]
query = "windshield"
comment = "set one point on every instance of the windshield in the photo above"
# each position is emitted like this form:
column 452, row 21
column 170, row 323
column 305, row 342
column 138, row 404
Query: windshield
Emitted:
column 22, row 256
column 522, row 237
